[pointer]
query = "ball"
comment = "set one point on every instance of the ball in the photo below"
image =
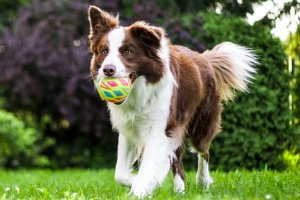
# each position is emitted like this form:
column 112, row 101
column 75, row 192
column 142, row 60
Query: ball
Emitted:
column 114, row 90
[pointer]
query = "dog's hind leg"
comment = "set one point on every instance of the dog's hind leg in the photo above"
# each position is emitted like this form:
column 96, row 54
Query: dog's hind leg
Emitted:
column 175, row 133
column 202, row 130
column 178, row 171
column 203, row 177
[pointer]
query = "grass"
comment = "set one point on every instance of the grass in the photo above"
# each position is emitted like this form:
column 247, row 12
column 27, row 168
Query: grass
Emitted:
column 99, row 184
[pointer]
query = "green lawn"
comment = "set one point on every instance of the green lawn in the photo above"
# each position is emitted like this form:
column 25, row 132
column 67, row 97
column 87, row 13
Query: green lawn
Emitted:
column 99, row 184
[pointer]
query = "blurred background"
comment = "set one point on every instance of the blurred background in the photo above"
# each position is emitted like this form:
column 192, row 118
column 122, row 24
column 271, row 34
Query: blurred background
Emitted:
column 51, row 115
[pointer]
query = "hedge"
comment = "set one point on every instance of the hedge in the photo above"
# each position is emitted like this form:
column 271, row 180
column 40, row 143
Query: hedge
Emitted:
column 256, row 127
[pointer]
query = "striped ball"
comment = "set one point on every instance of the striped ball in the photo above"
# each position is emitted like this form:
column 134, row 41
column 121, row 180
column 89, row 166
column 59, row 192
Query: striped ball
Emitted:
column 114, row 90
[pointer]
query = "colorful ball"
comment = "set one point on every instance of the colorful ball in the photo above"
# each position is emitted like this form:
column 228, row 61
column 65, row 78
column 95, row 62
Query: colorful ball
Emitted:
column 114, row 90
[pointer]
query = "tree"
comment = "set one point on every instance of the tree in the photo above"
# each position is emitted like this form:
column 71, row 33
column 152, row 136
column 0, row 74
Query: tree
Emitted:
column 233, row 7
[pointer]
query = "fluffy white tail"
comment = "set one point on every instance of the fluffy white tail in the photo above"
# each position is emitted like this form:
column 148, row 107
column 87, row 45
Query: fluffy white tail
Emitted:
column 234, row 67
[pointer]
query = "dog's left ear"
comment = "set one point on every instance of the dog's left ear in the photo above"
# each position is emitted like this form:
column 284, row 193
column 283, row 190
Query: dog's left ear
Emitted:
column 101, row 21
column 149, row 35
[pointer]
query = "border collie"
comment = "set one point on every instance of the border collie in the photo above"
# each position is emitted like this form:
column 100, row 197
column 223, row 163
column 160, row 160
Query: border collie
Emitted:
column 176, row 94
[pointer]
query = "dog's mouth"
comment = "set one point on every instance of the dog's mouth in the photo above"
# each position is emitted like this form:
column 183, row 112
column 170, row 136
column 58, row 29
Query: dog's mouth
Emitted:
column 132, row 77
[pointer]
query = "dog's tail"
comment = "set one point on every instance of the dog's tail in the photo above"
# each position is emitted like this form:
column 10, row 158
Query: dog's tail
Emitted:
column 233, row 66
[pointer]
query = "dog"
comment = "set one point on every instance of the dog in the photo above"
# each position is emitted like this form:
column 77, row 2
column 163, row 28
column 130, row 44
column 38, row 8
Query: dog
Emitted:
column 176, row 93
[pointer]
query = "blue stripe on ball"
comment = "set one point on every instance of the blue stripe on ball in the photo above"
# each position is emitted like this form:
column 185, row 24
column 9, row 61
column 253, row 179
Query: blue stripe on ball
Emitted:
column 118, row 93
column 108, row 94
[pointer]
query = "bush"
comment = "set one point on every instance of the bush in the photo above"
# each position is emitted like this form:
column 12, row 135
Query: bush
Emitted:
column 291, row 159
column 16, row 140
column 256, row 126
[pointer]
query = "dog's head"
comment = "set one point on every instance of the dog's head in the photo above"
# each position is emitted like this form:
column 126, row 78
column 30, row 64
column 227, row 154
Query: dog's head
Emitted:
column 124, row 51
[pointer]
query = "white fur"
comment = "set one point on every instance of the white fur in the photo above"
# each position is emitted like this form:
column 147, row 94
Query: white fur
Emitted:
column 202, row 176
column 115, row 40
column 234, row 67
column 178, row 184
column 164, row 54
column 142, row 120
column 242, row 60
column 127, row 155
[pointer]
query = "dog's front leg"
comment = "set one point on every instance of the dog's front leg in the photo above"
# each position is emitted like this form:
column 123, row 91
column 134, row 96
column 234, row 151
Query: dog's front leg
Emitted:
column 126, row 158
column 154, row 166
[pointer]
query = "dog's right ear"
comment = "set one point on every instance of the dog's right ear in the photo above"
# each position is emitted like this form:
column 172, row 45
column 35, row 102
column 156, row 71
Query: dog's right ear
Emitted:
column 101, row 21
column 149, row 35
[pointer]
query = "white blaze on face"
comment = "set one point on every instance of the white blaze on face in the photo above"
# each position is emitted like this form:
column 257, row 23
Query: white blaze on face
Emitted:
column 115, row 41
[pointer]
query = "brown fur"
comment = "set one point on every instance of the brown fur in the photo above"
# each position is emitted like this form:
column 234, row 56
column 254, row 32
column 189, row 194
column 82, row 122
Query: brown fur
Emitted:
column 141, row 39
column 177, row 166
column 195, row 104
column 100, row 24
column 145, row 41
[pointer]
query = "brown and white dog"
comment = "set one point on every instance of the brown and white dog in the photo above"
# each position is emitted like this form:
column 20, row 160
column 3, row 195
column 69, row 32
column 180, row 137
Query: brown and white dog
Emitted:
column 176, row 94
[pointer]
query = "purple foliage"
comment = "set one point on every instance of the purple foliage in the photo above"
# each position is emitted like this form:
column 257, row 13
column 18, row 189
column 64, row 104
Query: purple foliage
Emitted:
column 148, row 11
column 184, row 35
column 44, row 64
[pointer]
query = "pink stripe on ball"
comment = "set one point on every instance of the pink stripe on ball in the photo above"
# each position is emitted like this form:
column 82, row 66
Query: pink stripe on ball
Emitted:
column 112, row 83
column 123, row 82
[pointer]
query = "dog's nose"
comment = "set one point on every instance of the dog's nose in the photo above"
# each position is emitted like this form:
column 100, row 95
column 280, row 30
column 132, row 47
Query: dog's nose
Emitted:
column 109, row 70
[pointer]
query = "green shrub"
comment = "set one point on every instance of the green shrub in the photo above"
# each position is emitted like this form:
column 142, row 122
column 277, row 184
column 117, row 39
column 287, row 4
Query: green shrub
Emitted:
column 17, row 142
column 291, row 159
column 256, row 125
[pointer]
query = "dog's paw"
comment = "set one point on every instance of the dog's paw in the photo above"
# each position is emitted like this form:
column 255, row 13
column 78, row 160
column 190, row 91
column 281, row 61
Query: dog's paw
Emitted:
column 205, row 181
column 124, row 180
column 139, row 192
column 140, row 189
column 178, row 184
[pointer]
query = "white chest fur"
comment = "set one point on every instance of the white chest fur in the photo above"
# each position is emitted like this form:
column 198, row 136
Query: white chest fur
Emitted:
column 146, row 111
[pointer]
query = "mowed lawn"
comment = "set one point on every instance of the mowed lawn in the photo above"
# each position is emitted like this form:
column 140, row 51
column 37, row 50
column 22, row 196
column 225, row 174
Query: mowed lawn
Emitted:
column 100, row 184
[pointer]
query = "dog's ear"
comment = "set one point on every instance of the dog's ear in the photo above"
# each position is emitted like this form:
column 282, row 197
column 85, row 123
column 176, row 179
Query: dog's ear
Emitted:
column 149, row 35
column 101, row 21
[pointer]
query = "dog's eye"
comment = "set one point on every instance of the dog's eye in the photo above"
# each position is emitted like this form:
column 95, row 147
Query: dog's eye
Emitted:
column 128, row 53
column 104, row 52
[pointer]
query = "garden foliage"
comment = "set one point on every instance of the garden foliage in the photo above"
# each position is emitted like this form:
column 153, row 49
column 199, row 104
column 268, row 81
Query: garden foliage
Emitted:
column 16, row 140
column 256, row 126
column 44, row 67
